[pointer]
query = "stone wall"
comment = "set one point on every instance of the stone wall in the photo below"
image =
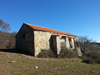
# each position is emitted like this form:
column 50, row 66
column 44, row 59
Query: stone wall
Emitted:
column 67, row 43
column 77, row 46
column 58, row 44
column 25, row 39
column 41, row 41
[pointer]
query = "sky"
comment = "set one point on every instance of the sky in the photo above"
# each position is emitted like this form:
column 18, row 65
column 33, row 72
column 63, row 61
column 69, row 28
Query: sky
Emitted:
column 78, row 17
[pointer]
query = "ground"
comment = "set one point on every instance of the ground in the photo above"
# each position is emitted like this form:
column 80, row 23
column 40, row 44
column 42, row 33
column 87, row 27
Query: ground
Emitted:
column 14, row 63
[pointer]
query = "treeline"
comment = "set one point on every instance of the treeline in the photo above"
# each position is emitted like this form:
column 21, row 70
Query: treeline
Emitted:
column 7, row 40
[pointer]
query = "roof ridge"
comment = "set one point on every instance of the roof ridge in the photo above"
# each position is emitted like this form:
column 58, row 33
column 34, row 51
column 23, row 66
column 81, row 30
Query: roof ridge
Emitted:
column 36, row 25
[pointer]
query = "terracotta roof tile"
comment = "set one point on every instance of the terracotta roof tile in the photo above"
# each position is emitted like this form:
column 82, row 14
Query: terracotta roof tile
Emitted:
column 47, row 29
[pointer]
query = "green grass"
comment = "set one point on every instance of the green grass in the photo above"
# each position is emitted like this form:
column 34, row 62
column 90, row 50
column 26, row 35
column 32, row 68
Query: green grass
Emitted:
column 20, row 64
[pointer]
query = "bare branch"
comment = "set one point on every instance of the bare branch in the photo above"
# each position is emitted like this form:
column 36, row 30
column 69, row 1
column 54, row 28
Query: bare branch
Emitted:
column 4, row 26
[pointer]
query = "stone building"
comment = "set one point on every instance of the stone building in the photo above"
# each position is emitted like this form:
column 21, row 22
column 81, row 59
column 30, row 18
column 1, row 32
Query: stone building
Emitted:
column 33, row 39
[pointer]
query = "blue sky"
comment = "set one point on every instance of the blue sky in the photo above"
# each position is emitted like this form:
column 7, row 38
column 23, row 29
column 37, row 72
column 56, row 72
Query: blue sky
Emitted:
column 78, row 17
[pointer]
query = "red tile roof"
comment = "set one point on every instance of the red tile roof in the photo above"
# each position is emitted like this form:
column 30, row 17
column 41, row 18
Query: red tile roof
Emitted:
column 48, row 30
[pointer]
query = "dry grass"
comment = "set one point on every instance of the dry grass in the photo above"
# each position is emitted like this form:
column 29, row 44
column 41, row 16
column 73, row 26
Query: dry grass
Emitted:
column 20, row 64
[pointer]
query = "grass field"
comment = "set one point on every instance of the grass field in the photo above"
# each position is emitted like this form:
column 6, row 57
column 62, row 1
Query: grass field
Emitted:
column 20, row 64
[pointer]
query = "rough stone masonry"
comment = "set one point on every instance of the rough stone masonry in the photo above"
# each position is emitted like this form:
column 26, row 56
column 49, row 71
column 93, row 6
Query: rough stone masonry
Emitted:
column 33, row 39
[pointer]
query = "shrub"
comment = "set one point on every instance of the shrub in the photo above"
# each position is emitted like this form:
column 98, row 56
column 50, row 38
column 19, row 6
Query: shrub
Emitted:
column 46, row 53
column 91, row 58
column 67, row 53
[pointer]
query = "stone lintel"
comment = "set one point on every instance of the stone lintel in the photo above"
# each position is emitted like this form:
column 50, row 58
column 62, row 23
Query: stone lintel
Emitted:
column 54, row 35
column 70, row 37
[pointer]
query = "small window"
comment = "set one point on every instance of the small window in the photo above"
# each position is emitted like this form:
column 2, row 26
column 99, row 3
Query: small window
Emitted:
column 63, row 37
column 24, row 36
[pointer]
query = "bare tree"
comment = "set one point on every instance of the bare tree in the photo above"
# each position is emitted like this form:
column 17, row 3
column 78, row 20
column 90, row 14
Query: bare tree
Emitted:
column 4, row 26
column 88, row 45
